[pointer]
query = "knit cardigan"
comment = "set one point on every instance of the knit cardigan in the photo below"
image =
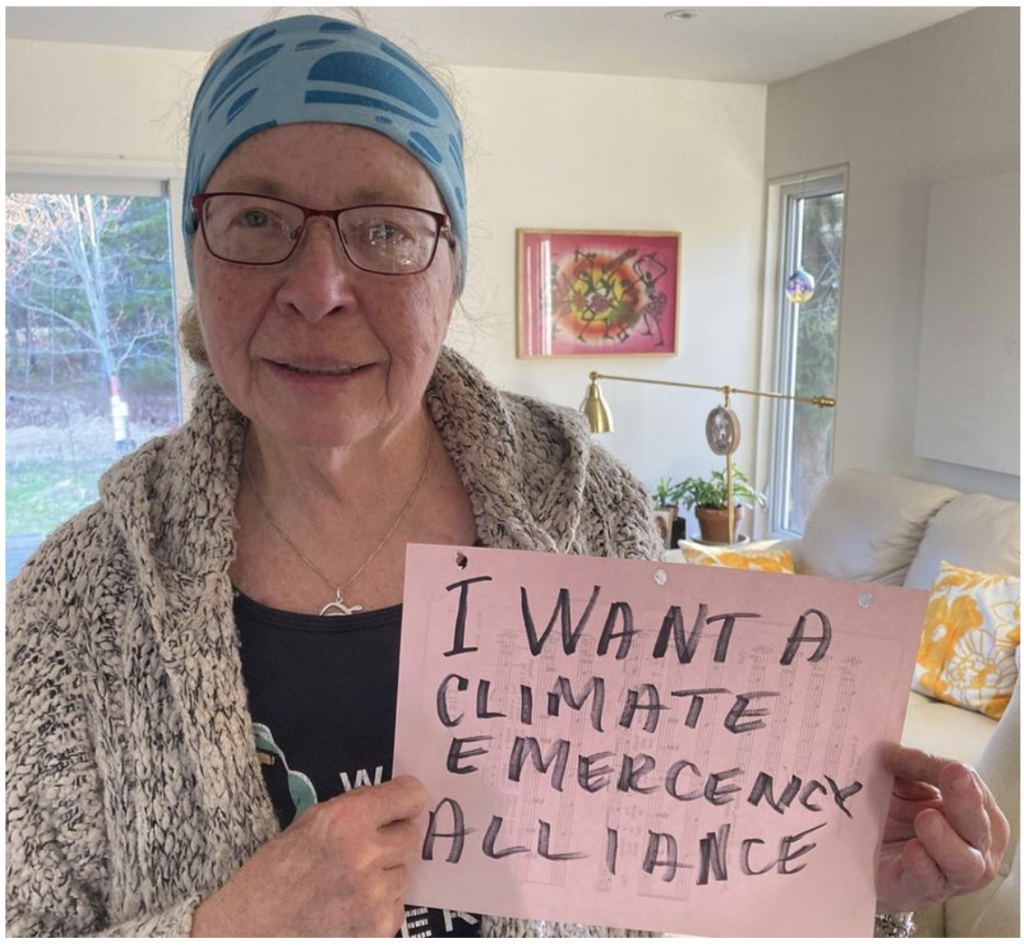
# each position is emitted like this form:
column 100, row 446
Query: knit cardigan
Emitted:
column 133, row 784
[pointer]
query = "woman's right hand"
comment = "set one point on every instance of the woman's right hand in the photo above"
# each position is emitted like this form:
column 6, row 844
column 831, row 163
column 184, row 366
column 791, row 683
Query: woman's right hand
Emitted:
column 340, row 869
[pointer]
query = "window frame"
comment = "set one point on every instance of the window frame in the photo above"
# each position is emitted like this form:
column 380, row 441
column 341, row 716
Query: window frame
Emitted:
column 782, row 235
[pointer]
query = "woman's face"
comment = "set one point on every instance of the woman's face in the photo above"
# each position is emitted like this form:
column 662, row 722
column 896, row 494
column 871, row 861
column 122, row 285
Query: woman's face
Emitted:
column 263, row 324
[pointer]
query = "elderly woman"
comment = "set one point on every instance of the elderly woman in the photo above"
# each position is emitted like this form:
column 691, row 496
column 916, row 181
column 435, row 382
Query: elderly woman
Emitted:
column 203, row 665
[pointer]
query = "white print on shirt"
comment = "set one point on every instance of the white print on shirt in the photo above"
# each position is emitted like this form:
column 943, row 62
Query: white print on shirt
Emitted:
column 362, row 778
column 417, row 922
column 449, row 919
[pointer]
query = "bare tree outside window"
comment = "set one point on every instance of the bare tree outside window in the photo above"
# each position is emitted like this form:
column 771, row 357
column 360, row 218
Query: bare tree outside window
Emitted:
column 91, row 363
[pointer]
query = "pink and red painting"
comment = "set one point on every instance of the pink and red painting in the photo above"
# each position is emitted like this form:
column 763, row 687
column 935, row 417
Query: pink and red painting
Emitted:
column 596, row 292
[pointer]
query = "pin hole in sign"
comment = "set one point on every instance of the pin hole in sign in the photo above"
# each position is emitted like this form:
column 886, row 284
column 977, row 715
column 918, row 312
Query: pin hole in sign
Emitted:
column 461, row 561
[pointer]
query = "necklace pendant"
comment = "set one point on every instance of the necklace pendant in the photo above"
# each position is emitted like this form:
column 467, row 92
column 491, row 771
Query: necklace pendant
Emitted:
column 338, row 608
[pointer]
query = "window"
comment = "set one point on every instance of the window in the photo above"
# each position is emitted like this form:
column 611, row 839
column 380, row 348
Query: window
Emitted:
column 810, row 213
column 91, row 352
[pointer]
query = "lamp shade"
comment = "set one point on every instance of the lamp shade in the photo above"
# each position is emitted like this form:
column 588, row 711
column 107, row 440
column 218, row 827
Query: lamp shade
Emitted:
column 596, row 410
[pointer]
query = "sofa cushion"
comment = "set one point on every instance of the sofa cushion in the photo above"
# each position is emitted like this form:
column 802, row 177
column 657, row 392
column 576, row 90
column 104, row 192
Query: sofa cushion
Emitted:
column 995, row 910
column 969, row 643
column 975, row 531
column 758, row 560
column 946, row 730
column 867, row 527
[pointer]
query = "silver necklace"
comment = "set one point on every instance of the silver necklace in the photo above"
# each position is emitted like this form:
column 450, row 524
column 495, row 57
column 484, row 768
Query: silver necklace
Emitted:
column 337, row 607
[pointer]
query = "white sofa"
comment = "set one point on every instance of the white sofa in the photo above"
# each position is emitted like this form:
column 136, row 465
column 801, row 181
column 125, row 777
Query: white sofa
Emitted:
column 868, row 527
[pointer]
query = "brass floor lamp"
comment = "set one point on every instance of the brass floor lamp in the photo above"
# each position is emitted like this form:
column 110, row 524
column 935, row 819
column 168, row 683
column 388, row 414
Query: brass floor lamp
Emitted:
column 722, row 428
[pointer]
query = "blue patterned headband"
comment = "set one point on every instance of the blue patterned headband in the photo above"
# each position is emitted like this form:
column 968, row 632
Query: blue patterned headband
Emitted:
column 315, row 69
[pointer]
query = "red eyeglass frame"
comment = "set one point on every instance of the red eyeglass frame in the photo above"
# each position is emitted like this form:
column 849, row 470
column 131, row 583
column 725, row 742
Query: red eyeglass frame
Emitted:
column 442, row 219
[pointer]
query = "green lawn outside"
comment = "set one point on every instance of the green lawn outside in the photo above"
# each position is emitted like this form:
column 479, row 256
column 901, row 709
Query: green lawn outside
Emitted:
column 42, row 493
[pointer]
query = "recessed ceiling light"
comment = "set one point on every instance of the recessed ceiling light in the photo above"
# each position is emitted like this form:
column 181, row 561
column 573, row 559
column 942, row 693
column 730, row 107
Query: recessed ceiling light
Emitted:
column 681, row 15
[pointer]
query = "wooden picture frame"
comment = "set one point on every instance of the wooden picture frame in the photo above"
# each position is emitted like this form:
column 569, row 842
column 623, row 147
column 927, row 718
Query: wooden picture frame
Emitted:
column 666, row 520
column 597, row 293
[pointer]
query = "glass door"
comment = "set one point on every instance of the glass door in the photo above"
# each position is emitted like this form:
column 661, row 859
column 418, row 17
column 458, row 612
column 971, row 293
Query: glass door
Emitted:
column 92, row 366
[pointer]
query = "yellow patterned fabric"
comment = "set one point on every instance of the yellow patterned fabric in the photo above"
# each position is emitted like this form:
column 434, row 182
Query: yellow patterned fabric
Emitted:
column 757, row 560
column 971, row 634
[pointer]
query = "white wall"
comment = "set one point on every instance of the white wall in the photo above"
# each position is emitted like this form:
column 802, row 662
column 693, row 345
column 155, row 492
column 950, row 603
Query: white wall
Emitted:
column 70, row 103
column 544, row 150
column 938, row 105
column 598, row 152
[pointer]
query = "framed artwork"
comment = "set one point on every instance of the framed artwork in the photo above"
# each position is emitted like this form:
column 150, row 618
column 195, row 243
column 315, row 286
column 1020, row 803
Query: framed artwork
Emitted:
column 596, row 292
column 666, row 521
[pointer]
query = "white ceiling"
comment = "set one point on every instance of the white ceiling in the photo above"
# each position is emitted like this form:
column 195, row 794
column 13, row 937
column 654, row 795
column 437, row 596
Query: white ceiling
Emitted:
column 723, row 44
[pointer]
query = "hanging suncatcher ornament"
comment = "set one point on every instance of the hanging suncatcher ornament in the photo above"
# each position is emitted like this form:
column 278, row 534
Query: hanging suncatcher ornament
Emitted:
column 800, row 287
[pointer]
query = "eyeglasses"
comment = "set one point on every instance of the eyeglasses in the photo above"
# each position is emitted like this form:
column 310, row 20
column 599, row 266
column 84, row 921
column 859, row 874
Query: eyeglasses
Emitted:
column 389, row 239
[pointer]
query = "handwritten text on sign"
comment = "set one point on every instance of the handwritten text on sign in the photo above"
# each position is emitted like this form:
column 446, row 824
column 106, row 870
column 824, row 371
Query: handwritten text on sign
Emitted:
column 663, row 747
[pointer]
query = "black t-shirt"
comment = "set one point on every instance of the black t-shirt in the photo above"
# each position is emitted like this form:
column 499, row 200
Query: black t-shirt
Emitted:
column 322, row 694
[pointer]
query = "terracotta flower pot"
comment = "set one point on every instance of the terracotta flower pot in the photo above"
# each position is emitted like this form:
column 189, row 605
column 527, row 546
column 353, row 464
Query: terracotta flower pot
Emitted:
column 714, row 523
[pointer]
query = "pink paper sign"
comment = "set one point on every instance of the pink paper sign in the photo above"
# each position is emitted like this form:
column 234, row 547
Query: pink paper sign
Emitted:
column 662, row 747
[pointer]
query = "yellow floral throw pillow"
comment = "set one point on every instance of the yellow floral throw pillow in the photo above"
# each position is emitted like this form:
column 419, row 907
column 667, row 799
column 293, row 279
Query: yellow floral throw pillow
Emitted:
column 757, row 560
column 971, row 633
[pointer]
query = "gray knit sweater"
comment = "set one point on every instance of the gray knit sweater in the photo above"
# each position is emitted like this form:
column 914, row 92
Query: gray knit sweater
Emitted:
column 133, row 785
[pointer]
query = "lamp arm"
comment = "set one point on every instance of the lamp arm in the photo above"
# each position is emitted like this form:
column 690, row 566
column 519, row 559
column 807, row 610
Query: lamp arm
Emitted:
column 725, row 389
column 600, row 421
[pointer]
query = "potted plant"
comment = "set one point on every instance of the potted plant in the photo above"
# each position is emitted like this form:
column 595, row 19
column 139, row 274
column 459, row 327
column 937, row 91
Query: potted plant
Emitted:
column 666, row 494
column 709, row 499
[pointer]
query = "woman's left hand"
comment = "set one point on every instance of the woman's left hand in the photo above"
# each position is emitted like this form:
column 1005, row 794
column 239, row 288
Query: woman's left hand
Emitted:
column 944, row 834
